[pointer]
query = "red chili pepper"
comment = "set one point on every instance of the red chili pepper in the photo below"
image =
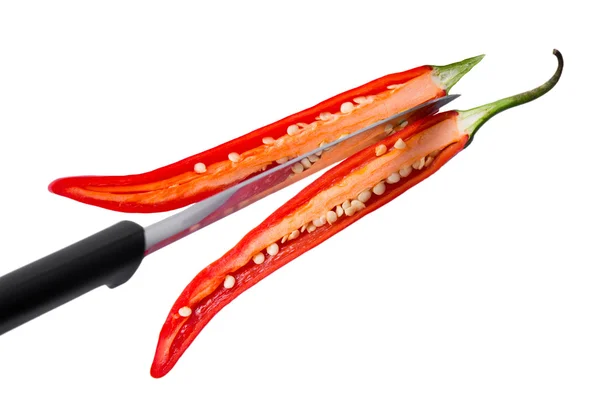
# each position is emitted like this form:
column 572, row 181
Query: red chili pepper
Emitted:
column 354, row 188
column 207, row 173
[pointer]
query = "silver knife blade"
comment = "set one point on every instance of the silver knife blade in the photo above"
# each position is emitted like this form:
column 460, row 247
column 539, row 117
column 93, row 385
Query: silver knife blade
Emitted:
column 207, row 211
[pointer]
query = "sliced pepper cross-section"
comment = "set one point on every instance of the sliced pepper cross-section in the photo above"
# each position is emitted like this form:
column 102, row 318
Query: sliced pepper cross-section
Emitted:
column 205, row 174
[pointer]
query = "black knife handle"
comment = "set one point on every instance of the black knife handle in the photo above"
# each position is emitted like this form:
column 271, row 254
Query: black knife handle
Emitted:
column 109, row 257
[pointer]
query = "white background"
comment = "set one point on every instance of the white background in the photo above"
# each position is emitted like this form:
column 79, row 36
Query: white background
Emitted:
column 481, row 281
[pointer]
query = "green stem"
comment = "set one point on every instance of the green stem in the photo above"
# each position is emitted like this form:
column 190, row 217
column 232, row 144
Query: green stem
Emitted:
column 470, row 121
column 448, row 75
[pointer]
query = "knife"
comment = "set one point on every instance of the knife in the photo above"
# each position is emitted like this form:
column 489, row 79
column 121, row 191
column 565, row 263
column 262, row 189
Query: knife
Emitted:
column 111, row 256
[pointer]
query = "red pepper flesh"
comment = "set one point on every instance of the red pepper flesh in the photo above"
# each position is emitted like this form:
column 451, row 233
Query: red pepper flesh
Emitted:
column 178, row 184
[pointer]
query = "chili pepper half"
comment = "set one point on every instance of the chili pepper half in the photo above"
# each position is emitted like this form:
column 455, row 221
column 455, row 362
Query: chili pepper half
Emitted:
column 205, row 174
column 356, row 187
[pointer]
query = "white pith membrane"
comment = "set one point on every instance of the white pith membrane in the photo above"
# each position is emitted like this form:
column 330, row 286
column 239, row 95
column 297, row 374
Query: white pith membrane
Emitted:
column 352, row 194
column 376, row 103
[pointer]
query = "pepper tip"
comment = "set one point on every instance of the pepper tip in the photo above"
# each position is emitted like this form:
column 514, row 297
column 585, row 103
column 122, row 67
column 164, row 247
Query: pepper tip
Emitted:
column 160, row 368
column 52, row 186
column 157, row 373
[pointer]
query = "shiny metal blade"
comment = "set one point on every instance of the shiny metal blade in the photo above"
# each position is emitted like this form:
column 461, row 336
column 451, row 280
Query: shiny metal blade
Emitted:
column 253, row 189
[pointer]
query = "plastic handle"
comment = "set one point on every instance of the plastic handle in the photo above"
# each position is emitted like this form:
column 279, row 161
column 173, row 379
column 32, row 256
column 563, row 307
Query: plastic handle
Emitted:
column 109, row 257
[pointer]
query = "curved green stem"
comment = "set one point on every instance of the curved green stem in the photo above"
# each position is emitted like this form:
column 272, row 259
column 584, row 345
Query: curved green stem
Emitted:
column 471, row 120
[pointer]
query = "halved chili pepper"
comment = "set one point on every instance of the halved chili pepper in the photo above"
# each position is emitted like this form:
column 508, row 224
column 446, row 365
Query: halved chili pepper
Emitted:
column 356, row 187
column 205, row 174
